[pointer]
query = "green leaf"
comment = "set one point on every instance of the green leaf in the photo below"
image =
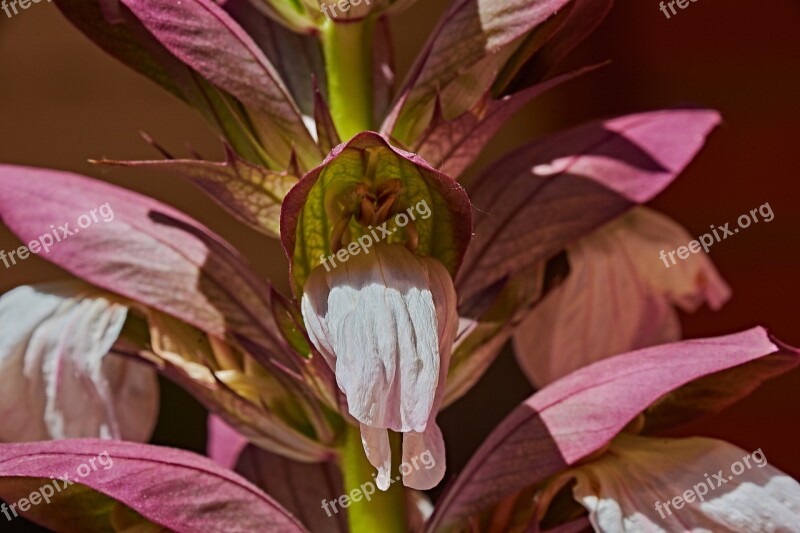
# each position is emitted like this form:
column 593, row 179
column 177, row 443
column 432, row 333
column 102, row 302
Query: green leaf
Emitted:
column 251, row 193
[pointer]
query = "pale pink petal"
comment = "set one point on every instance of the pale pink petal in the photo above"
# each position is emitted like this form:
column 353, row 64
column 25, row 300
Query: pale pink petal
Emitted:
column 386, row 321
column 424, row 462
column 618, row 297
column 57, row 376
column 449, row 325
column 697, row 484
column 425, row 451
column 687, row 284
column 379, row 453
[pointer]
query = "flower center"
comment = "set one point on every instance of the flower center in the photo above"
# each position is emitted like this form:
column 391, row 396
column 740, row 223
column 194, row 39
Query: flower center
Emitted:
column 371, row 206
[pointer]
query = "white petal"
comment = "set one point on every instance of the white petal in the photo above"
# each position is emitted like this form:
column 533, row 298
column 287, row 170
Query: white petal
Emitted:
column 376, row 317
column 379, row 453
column 618, row 297
column 57, row 378
column 709, row 485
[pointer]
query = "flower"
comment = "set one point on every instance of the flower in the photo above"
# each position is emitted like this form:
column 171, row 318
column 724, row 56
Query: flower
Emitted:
column 649, row 484
column 58, row 374
column 616, row 298
column 385, row 321
column 585, row 449
column 166, row 293
column 384, row 318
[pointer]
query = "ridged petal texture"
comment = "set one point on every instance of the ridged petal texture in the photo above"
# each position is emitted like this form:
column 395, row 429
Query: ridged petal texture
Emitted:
column 696, row 484
column 58, row 378
column 386, row 321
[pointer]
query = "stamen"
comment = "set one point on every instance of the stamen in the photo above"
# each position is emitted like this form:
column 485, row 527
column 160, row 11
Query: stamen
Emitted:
column 338, row 232
column 369, row 209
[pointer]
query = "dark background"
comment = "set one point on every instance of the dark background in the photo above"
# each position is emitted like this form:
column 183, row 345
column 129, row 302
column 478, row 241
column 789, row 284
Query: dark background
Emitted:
column 63, row 101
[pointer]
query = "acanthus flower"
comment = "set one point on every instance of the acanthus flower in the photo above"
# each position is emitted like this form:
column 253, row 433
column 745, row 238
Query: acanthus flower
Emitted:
column 386, row 318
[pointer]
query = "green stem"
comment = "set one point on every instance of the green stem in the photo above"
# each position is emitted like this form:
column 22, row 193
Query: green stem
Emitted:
column 348, row 62
column 384, row 511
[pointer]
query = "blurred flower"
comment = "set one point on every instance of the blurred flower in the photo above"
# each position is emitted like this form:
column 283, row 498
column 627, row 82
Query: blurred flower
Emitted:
column 58, row 374
column 616, row 298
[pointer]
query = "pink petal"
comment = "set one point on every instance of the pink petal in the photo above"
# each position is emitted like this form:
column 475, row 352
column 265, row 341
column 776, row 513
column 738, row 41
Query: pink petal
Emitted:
column 424, row 454
column 618, row 297
column 547, row 194
column 581, row 413
column 178, row 490
column 58, row 378
column 146, row 251
column 225, row 444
